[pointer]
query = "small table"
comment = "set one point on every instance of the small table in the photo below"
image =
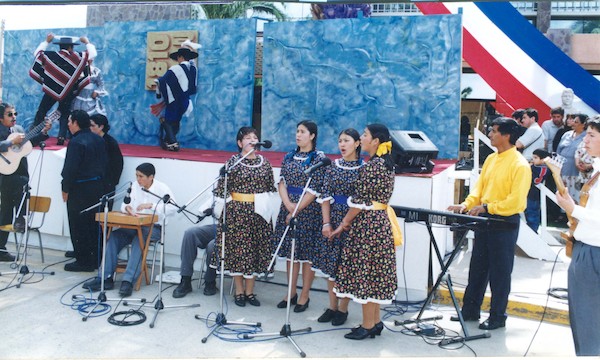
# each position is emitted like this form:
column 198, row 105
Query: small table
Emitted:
column 126, row 221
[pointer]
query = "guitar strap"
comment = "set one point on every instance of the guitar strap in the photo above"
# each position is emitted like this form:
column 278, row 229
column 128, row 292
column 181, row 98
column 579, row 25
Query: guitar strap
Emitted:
column 584, row 194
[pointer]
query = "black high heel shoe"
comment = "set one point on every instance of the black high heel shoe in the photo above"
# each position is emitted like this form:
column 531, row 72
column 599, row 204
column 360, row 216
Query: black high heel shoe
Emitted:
column 378, row 328
column 361, row 333
column 301, row 307
column 283, row 303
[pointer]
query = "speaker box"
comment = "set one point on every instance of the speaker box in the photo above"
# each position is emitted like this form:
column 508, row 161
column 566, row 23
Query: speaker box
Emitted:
column 412, row 152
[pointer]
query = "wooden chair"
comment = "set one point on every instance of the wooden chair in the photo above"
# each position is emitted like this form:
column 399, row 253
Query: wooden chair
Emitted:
column 37, row 204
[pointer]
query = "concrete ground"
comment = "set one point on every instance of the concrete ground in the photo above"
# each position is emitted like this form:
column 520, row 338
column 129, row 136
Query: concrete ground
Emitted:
column 40, row 319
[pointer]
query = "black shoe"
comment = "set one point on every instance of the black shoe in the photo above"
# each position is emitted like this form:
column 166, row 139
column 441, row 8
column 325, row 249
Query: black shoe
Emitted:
column 210, row 288
column 95, row 284
column 240, row 300
column 283, row 303
column 126, row 289
column 327, row 316
column 301, row 307
column 182, row 289
column 60, row 141
column 252, row 300
column 378, row 328
column 339, row 318
column 465, row 318
column 79, row 267
column 70, row 254
column 360, row 333
column 5, row 256
column 492, row 324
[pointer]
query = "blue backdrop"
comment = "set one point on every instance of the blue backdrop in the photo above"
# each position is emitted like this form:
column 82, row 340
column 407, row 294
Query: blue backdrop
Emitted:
column 225, row 80
column 400, row 71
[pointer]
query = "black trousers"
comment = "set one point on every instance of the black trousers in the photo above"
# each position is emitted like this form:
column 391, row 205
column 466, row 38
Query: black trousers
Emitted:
column 64, row 107
column 492, row 261
column 169, row 131
column 11, row 194
column 85, row 231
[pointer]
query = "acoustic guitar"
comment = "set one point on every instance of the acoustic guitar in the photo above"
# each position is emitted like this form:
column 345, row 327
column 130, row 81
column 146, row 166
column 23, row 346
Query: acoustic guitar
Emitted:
column 10, row 160
column 555, row 165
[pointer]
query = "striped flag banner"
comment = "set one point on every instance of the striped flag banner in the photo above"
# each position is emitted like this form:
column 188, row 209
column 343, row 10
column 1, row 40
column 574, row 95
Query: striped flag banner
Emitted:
column 524, row 67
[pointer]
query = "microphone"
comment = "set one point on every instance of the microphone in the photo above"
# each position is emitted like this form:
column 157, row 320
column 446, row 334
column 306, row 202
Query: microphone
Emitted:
column 127, row 198
column 266, row 144
column 325, row 162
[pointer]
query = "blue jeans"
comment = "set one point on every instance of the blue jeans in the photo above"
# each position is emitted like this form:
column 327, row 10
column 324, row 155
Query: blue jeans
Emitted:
column 533, row 214
column 118, row 240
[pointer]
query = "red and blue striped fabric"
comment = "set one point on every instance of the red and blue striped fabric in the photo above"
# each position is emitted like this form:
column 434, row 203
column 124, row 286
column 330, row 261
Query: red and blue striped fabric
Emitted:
column 516, row 60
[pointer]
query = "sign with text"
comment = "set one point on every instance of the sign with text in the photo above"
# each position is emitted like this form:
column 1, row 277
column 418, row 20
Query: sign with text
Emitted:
column 159, row 45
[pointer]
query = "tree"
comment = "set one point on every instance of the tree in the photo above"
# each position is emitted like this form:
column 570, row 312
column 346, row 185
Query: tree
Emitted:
column 237, row 10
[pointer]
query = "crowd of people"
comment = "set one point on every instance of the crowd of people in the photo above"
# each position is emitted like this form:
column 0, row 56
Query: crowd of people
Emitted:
column 335, row 216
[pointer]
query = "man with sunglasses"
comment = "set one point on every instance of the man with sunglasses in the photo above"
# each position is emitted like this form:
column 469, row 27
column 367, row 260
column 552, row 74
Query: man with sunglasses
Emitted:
column 12, row 185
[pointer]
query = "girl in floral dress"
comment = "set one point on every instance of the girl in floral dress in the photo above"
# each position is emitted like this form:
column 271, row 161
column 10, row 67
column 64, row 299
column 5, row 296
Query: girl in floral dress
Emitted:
column 308, row 216
column 367, row 272
column 248, row 236
column 338, row 186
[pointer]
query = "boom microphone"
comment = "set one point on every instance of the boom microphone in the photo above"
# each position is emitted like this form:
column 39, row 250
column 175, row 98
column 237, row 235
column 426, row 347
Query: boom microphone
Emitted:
column 325, row 162
column 266, row 144
column 127, row 198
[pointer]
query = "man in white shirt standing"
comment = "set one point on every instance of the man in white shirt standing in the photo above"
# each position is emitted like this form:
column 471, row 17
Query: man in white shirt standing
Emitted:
column 550, row 127
column 533, row 138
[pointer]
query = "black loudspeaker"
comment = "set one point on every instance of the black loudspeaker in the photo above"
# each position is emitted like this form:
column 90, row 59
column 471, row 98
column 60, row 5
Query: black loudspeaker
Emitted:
column 412, row 152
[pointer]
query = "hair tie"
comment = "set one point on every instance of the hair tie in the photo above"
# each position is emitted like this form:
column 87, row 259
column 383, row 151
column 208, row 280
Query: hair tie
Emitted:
column 384, row 148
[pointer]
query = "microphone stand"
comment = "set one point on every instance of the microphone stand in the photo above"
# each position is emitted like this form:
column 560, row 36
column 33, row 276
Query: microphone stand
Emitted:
column 159, row 305
column 24, row 269
column 286, row 331
column 221, row 320
column 104, row 201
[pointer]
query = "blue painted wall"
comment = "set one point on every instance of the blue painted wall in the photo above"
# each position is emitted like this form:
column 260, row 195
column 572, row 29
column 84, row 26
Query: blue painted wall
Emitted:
column 225, row 82
column 401, row 71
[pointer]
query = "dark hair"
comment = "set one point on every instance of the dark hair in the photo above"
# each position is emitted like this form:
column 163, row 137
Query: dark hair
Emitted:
column 81, row 118
column 243, row 131
column 541, row 153
column 594, row 123
column 354, row 135
column 557, row 110
column 381, row 132
column 101, row 120
column 312, row 129
column 518, row 114
column 146, row 169
column 508, row 126
column 532, row 113
column 583, row 118
column 4, row 106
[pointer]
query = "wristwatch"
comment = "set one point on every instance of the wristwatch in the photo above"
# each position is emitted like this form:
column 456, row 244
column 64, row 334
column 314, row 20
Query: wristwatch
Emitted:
column 485, row 207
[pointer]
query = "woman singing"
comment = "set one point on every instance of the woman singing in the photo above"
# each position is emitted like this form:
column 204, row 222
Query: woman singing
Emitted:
column 339, row 183
column 247, row 240
column 308, row 216
column 367, row 272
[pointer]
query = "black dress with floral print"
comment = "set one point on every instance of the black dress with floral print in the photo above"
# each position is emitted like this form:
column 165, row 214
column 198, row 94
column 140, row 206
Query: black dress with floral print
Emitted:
column 367, row 271
column 248, row 236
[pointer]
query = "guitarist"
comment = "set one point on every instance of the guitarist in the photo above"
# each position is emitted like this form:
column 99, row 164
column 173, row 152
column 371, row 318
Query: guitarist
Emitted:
column 584, row 271
column 11, row 186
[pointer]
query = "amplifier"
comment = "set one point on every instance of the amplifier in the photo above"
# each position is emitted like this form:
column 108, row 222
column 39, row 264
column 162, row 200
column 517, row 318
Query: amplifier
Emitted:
column 412, row 152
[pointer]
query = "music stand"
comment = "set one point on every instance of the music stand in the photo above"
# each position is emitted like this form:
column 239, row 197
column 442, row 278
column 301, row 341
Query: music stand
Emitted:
column 286, row 330
column 104, row 201
column 158, row 304
column 24, row 269
column 221, row 320
column 445, row 266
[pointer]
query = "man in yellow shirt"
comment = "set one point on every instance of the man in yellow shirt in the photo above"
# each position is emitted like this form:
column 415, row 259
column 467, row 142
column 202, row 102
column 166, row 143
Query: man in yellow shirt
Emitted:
column 500, row 193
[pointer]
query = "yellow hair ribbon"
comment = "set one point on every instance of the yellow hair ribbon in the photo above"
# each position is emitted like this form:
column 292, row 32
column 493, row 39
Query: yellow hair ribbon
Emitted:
column 384, row 148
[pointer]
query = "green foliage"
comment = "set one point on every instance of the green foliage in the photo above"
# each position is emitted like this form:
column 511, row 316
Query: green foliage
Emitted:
column 237, row 10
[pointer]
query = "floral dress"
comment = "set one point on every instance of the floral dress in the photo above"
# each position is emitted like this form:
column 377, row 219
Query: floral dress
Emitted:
column 248, row 236
column 367, row 271
column 338, row 186
column 309, row 220
column 569, row 172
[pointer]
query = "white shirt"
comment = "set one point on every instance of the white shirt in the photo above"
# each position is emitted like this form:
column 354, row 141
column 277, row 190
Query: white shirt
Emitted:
column 549, row 129
column 532, row 139
column 138, row 197
column 91, row 49
column 589, row 216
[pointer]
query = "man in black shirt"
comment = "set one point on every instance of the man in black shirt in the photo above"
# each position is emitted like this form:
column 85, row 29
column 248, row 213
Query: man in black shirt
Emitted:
column 82, row 186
